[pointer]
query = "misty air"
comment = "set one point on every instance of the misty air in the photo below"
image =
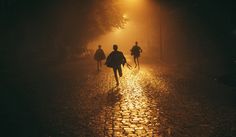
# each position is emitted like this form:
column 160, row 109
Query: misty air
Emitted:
column 118, row 68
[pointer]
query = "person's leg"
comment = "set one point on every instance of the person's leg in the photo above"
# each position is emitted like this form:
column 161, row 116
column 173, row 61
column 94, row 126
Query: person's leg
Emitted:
column 135, row 61
column 120, row 71
column 138, row 62
column 116, row 77
column 98, row 65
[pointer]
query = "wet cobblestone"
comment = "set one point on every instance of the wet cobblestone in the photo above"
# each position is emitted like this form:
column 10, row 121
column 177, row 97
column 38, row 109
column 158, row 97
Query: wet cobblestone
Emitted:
column 131, row 111
column 146, row 104
column 152, row 102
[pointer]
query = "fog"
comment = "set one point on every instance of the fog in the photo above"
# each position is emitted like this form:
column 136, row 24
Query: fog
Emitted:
column 142, row 25
column 62, row 30
column 190, row 32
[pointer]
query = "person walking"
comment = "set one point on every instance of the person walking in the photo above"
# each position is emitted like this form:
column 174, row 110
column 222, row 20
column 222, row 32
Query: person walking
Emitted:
column 115, row 60
column 135, row 52
column 99, row 56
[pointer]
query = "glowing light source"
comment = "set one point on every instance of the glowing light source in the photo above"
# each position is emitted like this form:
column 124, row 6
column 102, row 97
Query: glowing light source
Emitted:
column 133, row 2
column 125, row 16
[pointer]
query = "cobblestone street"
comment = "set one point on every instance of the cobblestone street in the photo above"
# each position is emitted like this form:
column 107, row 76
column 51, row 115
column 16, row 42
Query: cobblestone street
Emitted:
column 131, row 109
column 155, row 101
column 118, row 68
column 151, row 102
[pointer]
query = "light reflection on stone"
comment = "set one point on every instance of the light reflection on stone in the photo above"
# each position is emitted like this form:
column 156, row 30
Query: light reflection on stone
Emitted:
column 135, row 113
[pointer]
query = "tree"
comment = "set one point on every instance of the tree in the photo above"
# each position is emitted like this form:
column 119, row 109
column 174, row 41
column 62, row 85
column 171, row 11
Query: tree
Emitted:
column 57, row 26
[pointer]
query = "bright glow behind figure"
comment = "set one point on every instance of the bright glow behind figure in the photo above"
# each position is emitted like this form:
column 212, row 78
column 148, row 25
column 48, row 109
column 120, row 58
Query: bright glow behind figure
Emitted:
column 135, row 27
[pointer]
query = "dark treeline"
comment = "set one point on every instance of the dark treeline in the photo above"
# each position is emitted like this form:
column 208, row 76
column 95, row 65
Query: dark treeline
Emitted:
column 54, row 28
column 35, row 34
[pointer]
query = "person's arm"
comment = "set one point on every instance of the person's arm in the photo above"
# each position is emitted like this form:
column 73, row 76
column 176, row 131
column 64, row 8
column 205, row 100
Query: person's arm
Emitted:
column 95, row 55
column 103, row 54
column 140, row 49
column 124, row 59
column 108, row 59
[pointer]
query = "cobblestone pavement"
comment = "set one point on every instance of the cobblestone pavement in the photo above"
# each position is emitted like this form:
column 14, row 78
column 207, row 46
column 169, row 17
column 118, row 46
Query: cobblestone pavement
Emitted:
column 153, row 102
column 131, row 110
column 73, row 100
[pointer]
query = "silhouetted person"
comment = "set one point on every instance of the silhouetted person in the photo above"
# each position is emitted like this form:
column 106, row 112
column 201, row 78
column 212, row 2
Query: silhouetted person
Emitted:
column 99, row 56
column 135, row 51
column 115, row 60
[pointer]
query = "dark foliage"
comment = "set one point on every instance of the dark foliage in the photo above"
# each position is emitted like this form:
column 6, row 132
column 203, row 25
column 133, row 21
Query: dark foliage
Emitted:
column 54, row 28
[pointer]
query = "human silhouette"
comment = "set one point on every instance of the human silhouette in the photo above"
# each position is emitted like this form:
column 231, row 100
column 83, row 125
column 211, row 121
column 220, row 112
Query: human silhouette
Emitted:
column 135, row 52
column 114, row 60
column 99, row 56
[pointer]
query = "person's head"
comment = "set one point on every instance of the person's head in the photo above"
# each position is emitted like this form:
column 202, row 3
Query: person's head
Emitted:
column 115, row 47
column 136, row 43
column 99, row 46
